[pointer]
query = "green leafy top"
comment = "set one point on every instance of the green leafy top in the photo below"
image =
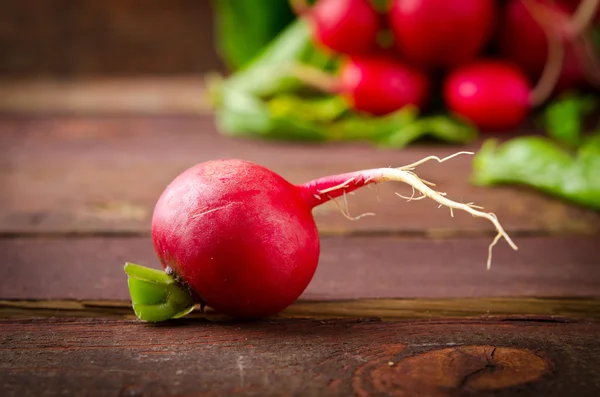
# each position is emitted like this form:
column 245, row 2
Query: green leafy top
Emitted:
column 565, row 164
column 156, row 296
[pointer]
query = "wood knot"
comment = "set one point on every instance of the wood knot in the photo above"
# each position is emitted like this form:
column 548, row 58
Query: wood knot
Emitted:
column 446, row 372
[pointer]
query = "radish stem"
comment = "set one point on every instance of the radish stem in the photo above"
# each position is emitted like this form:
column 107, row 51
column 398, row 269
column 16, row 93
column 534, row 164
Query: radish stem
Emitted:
column 556, row 53
column 582, row 17
column 300, row 7
column 557, row 30
column 316, row 78
column 551, row 72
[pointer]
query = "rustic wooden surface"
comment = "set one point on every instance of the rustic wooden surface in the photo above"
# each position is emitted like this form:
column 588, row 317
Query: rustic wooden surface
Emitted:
column 103, row 175
column 407, row 287
column 175, row 95
column 555, row 310
column 350, row 267
column 92, row 38
column 299, row 358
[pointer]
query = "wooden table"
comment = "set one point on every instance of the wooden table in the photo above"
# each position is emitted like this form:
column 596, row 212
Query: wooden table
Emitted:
column 401, row 304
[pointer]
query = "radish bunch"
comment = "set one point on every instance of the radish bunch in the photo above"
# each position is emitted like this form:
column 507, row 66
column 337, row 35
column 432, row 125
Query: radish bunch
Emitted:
column 490, row 61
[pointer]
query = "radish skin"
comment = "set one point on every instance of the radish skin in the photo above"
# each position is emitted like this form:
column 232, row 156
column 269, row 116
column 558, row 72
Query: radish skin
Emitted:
column 239, row 238
column 341, row 26
column 441, row 33
column 492, row 94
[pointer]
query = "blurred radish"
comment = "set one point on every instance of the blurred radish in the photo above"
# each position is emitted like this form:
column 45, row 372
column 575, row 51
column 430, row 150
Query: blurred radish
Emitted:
column 492, row 94
column 343, row 26
column 441, row 33
column 382, row 85
column 521, row 39
column 240, row 238
column 545, row 34
column 376, row 84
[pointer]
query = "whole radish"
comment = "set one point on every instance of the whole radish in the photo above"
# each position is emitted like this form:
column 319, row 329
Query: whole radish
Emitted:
column 343, row 26
column 377, row 84
column 380, row 85
column 493, row 94
column 441, row 33
column 238, row 237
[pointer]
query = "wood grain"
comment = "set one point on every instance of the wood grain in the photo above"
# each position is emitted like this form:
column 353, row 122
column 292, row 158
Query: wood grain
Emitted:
column 173, row 95
column 298, row 357
column 64, row 174
column 559, row 310
column 350, row 268
column 68, row 38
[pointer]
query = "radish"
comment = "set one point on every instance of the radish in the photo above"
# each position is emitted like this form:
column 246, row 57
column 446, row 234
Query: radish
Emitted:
column 374, row 84
column 238, row 237
column 343, row 26
column 441, row 33
column 545, row 34
column 522, row 39
column 492, row 94
column 382, row 85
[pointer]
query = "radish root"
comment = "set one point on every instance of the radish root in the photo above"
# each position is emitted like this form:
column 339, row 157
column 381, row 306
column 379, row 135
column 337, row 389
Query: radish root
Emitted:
column 405, row 175
column 413, row 180
column 346, row 213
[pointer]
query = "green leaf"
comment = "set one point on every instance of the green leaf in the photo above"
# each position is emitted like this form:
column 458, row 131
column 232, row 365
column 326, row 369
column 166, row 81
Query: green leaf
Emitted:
column 327, row 118
column 565, row 117
column 375, row 129
column 319, row 109
column 155, row 295
column 242, row 114
column 243, row 27
column 543, row 164
column 441, row 127
column 270, row 72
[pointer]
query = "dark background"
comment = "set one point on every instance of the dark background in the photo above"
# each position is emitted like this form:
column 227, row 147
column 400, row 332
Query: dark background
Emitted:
column 108, row 38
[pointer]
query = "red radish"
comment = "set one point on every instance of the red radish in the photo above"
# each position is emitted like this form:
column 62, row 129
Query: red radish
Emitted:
column 238, row 237
column 382, row 85
column 344, row 26
column 523, row 39
column 441, row 33
column 376, row 84
column 492, row 94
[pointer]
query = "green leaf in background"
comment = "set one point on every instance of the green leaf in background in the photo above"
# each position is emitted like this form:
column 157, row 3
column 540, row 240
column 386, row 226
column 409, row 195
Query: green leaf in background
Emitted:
column 320, row 109
column 543, row 164
column 327, row 118
column 563, row 118
column 242, row 114
column 566, row 164
column 270, row 72
column 245, row 27
column 442, row 127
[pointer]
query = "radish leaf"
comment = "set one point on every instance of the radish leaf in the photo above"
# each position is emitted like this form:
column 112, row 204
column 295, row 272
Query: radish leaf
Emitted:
column 543, row 164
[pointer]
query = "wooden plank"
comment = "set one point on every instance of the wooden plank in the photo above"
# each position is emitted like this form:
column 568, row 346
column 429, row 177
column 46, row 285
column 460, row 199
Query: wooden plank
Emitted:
column 481, row 308
column 102, row 357
column 182, row 95
column 103, row 174
column 67, row 38
column 350, row 268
